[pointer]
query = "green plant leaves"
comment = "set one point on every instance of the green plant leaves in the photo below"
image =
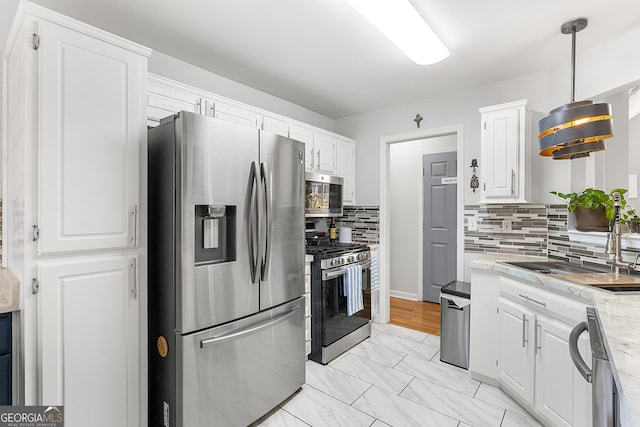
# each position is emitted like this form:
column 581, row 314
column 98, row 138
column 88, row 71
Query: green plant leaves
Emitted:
column 592, row 198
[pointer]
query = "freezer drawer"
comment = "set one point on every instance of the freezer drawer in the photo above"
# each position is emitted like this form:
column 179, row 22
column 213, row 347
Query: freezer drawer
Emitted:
column 233, row 374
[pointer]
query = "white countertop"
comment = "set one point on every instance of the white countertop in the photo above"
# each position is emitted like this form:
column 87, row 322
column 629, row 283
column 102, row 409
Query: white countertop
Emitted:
column 620, row 318
column 9, row 291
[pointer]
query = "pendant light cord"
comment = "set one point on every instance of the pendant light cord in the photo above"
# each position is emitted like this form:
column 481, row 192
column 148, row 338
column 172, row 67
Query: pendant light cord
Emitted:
column 573, row 64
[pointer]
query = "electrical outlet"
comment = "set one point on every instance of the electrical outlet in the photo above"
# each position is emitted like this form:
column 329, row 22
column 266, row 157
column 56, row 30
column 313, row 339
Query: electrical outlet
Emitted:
column 506, row 226
column 472, row 223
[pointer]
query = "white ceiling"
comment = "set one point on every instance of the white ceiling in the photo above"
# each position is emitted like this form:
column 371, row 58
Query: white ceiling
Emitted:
column 322, row 55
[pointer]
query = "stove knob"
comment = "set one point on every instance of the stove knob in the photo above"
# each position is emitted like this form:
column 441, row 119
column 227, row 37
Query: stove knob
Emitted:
column 332, row 262
column 351, row 259
column 342, row 261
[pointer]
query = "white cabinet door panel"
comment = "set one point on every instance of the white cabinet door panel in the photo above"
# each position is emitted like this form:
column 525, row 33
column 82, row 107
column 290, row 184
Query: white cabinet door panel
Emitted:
column 89, row 341
column 561, row 392
column 325, row 147
column 515, row 355
column 236, row 115
column 500, row 153
column 162, row 102
column 304, row 135
column 278, row 127
column 89, row 142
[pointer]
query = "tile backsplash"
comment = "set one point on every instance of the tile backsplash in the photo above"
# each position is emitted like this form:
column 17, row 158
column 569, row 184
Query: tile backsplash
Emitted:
column 364, row 222
column 528, row 235
column 540, row 230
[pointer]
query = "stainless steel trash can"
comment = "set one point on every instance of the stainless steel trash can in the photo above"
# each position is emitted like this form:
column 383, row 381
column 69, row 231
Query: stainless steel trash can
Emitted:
column 455, row 308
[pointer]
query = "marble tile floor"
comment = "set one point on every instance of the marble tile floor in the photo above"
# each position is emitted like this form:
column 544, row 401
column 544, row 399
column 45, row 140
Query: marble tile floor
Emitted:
column 395, row 378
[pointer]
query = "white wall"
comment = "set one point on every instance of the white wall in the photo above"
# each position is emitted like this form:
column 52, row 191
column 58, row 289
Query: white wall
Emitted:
column 406, row 211
column 186, row 73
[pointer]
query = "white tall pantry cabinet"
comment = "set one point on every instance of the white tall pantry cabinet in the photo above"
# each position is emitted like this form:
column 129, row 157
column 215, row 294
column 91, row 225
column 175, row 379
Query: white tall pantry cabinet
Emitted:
column 75, row 209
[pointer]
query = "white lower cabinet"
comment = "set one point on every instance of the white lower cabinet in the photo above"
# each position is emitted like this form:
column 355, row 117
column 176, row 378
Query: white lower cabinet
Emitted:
column 515, row 354
column 89, row 340
column 534, row 364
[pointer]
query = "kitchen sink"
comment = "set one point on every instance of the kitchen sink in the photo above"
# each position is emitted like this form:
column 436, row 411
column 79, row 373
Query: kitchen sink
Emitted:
column 558, row 267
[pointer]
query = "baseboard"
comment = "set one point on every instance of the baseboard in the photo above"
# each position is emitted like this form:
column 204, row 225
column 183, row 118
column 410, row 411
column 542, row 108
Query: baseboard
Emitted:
column 403, row 295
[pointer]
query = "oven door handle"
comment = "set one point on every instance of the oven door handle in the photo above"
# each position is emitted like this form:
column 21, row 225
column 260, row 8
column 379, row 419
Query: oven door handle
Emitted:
column 339, row 271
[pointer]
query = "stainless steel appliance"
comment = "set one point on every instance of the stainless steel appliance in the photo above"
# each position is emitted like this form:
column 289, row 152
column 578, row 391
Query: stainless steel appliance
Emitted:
column 323, row 195
column 226, row 272
column 455, row 311
column 605, row 405
column 333, row 330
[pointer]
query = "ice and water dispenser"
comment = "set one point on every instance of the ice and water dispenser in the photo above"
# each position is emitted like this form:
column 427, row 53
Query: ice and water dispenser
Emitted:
column 215, row 234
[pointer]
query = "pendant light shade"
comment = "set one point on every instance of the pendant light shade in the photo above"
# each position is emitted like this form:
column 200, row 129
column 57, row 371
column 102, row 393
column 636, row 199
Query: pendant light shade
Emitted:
column 578, row 128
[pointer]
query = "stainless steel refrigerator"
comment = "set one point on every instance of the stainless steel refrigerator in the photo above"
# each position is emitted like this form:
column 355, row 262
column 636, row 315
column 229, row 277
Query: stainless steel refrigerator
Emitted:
column 226, row 272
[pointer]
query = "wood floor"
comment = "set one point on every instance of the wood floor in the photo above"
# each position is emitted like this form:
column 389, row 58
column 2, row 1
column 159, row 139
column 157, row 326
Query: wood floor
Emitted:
column 419, row 315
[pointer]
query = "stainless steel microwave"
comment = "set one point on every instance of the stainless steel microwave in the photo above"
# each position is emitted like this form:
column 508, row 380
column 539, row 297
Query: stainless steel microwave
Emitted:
column 323, row 195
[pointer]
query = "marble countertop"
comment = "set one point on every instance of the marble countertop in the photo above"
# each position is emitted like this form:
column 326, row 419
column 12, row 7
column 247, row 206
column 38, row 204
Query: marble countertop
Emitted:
column 9, row 291
column 619, row 316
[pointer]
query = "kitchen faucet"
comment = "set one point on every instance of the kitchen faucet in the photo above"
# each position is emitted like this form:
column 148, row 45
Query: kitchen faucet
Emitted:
column 614, row 238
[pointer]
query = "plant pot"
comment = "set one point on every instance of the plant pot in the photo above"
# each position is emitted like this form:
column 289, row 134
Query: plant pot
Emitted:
column 591, row 219
column 634, row 225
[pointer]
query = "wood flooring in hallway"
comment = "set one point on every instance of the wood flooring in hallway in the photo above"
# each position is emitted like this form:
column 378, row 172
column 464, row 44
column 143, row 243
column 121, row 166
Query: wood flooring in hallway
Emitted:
column 418, row 315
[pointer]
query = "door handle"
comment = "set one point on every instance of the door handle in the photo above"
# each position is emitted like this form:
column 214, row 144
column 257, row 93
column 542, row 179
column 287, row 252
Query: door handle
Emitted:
column 313, row 159
column 577, row 359
column 252, row 221
column 248, row 331
column 524, row 330
column 318, row 165
column 265, row 177
column 513, row 182
column 537, row 338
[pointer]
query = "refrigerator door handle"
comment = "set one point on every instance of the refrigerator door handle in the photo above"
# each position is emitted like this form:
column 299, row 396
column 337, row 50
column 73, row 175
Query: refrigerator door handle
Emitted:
column 577, row 359
column 253, row 221
column 248, row 331
column 266, row 186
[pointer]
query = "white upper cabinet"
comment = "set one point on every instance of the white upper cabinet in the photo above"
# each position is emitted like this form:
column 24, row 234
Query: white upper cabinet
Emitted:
column 91, row 126
column 278, row 127
column 235, row 114
column 305, row 135
column 346, row 169
column 324, row 153
column 163, row 101
column 505, row 153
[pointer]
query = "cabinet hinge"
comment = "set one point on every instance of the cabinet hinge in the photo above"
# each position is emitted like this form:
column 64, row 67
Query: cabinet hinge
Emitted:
column 36, row 41
column 36, row 233
column 35, row 286
column 496, row 362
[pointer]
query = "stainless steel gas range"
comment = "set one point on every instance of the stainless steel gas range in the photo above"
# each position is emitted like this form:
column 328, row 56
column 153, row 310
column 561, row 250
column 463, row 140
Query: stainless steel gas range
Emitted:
column 338, row 322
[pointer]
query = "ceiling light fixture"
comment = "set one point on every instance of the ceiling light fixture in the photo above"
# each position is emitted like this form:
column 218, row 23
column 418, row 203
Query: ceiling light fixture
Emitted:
column 401, row 23
column 577, row 128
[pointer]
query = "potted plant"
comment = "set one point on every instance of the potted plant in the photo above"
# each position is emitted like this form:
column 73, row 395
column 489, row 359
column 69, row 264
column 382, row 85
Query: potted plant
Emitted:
column 593, row 208
column 631, row 218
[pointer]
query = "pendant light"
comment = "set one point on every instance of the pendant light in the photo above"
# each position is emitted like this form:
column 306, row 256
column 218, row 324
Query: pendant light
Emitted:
column 577, row 128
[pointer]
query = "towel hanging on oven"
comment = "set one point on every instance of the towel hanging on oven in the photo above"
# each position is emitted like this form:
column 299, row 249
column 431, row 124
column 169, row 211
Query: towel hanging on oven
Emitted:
column 353, row 289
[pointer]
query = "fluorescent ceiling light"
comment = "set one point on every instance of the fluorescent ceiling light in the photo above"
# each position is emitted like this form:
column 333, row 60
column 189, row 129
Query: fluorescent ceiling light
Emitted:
column 402, row 24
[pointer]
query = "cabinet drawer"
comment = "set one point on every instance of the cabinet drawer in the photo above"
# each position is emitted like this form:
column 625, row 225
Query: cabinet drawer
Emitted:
column 5, row 333
column 541, row 300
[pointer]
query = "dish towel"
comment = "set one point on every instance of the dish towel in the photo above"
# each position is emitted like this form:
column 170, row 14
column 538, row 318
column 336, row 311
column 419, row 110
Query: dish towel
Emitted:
column 353, row 289
column 375, row 280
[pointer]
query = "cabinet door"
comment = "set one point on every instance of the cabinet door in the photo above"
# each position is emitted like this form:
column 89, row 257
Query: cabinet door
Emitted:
column 275, row 126
column 91, row 129
column 346, row 170
column 236, row 115
column 89, row 342
column 304, row 135
column 164, row 101
column 562, row 395
column 500, row 141
column 515, row 354
column 325, row 147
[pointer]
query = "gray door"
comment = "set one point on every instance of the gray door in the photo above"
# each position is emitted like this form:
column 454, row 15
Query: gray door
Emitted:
column 282, row 237
column 438, row 223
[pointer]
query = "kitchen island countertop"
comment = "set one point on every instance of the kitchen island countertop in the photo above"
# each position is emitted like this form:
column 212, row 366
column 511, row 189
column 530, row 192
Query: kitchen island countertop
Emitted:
column 619, row 316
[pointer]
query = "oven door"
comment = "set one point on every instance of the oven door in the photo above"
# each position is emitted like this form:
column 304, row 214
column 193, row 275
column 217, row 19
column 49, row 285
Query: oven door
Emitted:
column 336, row 322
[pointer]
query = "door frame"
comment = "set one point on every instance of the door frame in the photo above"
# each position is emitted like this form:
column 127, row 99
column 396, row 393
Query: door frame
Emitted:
column 385, row 250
